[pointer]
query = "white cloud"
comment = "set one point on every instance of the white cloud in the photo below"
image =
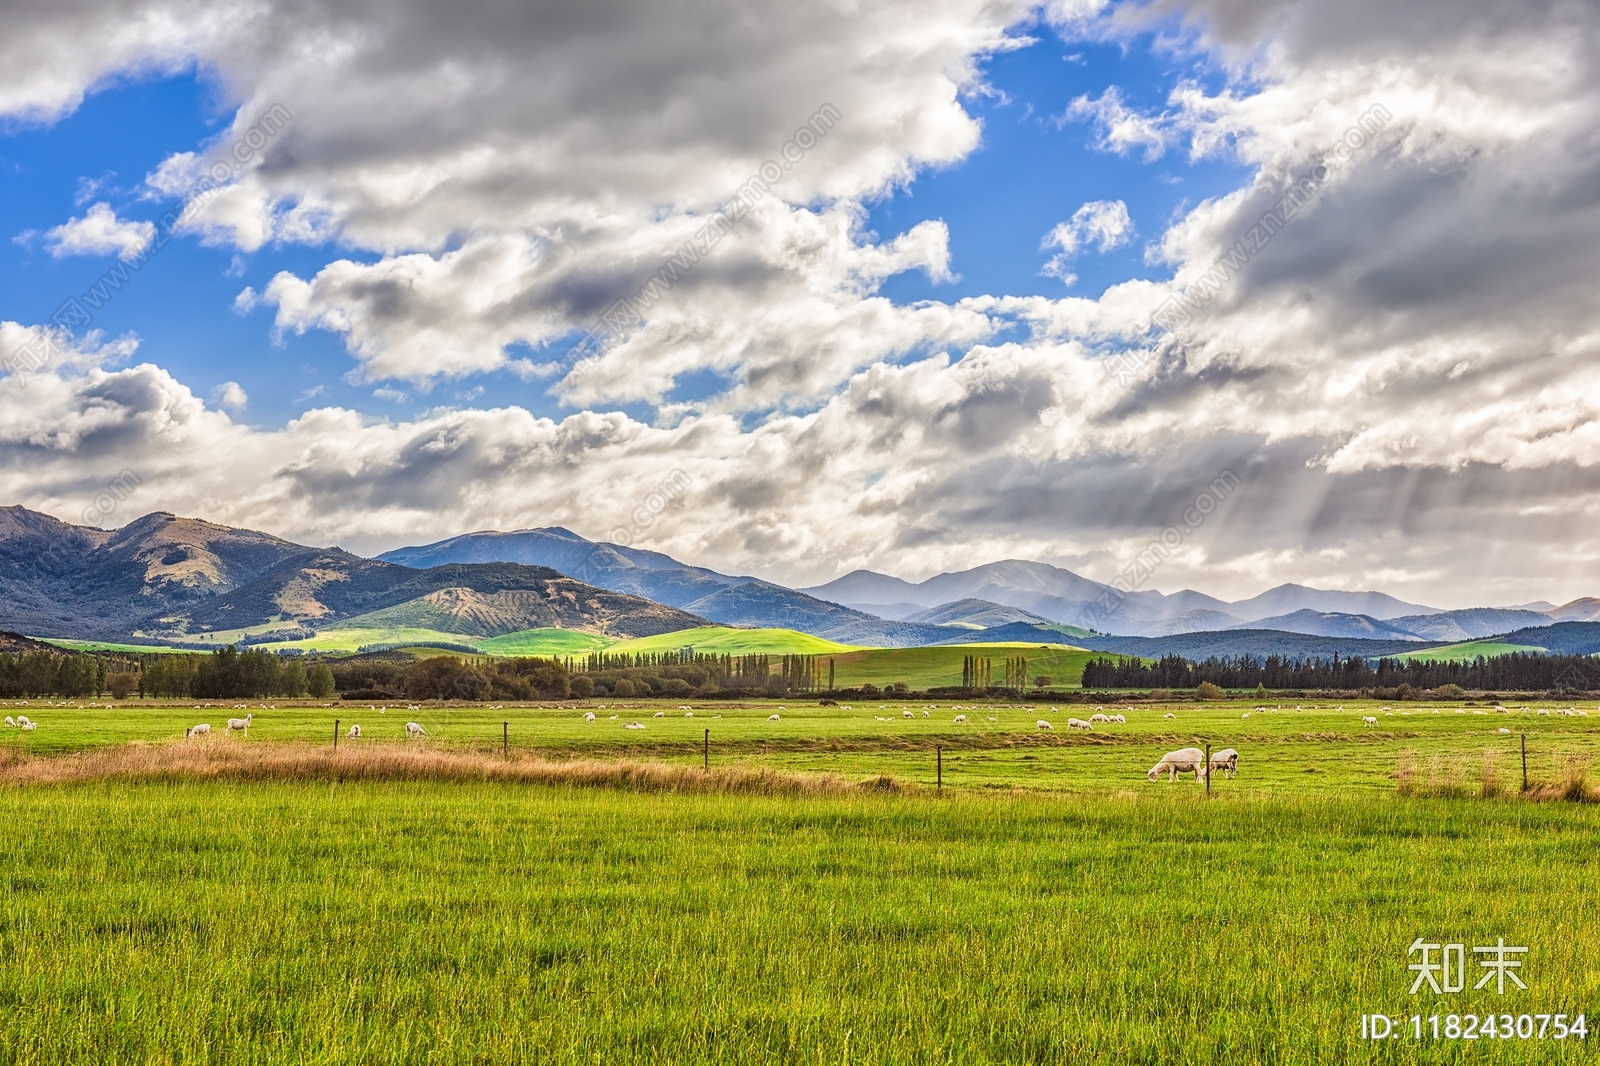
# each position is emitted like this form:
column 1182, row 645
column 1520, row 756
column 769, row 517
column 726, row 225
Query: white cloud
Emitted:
column 1102, row 223
column 1403, row 374
column 230, row 395
column 100, row 232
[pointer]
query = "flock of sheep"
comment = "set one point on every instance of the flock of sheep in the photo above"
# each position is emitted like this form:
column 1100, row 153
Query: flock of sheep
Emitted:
column 20, row 722
column 242, row 725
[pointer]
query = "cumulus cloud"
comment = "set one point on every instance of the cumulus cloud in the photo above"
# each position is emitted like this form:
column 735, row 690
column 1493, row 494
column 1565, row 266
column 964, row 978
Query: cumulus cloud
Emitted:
column 1102, row 223
column 1400, row 368
column 229, row 395
column 99, row 232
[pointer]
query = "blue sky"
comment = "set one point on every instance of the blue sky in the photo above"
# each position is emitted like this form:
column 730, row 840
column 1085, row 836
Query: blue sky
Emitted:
column 1032, row 170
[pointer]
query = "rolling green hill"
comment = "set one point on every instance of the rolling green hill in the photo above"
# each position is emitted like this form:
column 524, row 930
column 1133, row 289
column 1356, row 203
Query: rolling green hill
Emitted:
column 543, row 642
column 721, row 640
column 1468, row 650
column 940, row 666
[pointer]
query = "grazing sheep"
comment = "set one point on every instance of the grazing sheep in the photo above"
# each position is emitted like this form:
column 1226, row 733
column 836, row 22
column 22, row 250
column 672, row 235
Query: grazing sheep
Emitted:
column 660, row 714
column 1246, row 714
column 688, row 714
column 1120, row 719
column 634, row 725
column 415, row 730
column 30, row 725
column 355, row 732
column 1042, row 724
column 1226, row 760
column 589, row 717
column 905, row 714
column 1182, row 761
column 1369, row 719
column 1502, row 729
column 203, row 729
column 236, row 725
column 1169, row 714
column 772, row 718
column 1099, row 718
column 1079, row 723
column 1545, row 714
column 960, row 718
column 11, row 723
column 22, row 720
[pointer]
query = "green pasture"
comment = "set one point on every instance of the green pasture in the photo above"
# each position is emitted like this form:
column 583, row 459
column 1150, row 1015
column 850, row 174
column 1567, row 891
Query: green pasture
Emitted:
column 548, row 643
column 723, row 640
column 1467, row 651
column 940, row 666
column 1306, row 748
column 416, row 923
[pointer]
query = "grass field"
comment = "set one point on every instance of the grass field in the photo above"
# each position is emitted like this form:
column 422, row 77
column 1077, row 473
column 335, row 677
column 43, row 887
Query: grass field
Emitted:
column 350, row 640
column 940, row 667
column 543, row 642
column 721, row 640
column 1467, row 651
column 421, row 922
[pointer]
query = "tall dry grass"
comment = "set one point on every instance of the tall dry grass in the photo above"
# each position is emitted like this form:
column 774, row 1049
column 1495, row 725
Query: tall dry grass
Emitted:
column 293, row 761
column 1445, row 777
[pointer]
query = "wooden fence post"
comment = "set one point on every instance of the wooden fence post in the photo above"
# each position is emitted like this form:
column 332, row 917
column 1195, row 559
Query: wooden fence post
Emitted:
column 707, row 752
column 336, row 734
column 1524, row 762
column 1208, row 771
column 505, row 740
column 939, row 754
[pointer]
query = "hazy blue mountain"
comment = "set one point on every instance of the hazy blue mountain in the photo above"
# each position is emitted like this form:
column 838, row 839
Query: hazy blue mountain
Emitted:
column 1287, row 599
column 1062, row 596
column 1584, row 610
column 1333, row 624
column 1258, row 642
column 1469, row 624
column 980, row 613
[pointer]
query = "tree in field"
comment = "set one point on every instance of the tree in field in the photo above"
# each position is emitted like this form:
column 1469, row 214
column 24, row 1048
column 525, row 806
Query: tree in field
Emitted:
column 319, row 681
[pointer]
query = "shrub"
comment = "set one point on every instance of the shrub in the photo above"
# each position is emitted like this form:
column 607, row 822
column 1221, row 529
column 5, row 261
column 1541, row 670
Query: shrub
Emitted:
column 582, row 687
column 1161, row 693
column 1207, row 691
column 1043, row 681
column 676, row 686
column 623, row 687
column 122, row 685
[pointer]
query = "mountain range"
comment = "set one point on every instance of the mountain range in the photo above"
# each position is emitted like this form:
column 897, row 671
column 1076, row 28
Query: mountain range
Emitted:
column 165, row 578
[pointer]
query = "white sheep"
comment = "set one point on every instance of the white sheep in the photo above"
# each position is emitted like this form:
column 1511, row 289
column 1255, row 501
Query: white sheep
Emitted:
column 22, row 720
column 1042, row 724
column 1369, row 719
column 1079, row 723
column 959, row 718
column 589, row 717
column 415, row 730
column 1169, row 714
column 688, row 714
column 1119, row 719
column 11, row 723
column 1502, row 729
column 1545, row 714
column 236, row 725
column 355, row 732
column 1099, row 718
column 634, row 725
column 906, row 714
column 30, row 725
column 1226, row 760
column 1246, row 714
column 1182, row 761
column 201, row 730
column 772, row 718
column 659, row 714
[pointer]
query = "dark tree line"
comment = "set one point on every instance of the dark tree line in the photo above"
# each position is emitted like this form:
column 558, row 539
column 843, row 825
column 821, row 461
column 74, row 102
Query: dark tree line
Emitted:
column 1516, row 672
